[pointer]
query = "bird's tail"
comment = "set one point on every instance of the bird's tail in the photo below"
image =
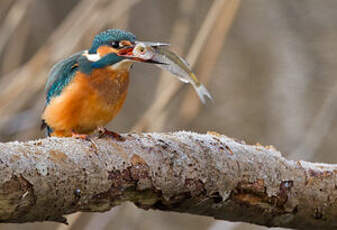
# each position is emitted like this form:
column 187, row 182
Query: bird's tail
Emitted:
column 44, row 125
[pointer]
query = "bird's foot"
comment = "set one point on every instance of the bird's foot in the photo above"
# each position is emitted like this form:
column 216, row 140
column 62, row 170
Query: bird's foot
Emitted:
column 80, row 136
column 85, row 137
column 103, row 132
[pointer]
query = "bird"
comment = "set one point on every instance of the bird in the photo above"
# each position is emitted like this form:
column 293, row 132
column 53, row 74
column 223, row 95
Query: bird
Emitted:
column 87, row 90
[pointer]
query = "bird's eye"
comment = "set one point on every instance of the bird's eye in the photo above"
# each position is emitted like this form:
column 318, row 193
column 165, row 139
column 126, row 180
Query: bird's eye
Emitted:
column 115, row 44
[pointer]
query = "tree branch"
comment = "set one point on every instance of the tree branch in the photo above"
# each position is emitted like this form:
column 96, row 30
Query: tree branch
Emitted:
column 205, row 174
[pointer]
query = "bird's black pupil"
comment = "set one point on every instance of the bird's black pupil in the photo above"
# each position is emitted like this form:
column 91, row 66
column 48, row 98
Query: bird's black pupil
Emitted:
column 115, row 44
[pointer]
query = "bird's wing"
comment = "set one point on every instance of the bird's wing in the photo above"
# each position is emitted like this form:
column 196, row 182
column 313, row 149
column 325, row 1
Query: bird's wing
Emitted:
column 60, row 75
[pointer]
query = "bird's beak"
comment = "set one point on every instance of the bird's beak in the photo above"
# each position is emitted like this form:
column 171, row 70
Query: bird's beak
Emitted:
column 128, row 52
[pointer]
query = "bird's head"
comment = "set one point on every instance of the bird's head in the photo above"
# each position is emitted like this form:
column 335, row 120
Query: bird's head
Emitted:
column 109, row 47
column 111, row 41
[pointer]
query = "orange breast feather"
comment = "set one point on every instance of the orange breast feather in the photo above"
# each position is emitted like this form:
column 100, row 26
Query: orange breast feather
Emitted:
column 87, row 102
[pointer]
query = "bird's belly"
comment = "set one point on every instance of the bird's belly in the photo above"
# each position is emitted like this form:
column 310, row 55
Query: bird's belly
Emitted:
column 96, row 112
column 87, row 103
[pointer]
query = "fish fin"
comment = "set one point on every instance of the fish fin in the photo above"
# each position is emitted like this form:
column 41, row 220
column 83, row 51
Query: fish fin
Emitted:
column 202, row 93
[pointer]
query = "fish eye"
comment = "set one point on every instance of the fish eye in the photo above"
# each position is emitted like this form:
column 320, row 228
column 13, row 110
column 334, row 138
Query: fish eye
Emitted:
column 115, row 44
column 141, row 49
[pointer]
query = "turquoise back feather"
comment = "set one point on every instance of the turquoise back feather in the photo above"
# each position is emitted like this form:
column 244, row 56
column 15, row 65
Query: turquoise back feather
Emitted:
column 60, row 76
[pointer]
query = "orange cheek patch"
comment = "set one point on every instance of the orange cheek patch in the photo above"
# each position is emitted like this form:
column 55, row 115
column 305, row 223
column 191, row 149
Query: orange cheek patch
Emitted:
column 104, row 50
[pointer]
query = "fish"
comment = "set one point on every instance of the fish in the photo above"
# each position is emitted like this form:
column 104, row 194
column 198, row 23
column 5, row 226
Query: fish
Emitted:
column 171, row 62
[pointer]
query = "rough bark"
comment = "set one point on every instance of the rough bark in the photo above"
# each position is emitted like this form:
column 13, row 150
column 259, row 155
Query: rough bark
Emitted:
column 205, row 174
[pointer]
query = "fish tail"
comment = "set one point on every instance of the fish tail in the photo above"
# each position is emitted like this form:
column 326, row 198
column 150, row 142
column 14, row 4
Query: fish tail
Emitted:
column 202, row 92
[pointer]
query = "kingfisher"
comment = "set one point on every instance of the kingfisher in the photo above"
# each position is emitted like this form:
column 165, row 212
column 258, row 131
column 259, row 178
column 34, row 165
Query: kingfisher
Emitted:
column 86, row 91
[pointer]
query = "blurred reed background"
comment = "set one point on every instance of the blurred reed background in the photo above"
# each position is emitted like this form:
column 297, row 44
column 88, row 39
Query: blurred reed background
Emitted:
column 270, row 65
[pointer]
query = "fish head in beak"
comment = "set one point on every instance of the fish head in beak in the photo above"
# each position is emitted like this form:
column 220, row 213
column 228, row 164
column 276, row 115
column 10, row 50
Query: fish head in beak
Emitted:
column 142, row 51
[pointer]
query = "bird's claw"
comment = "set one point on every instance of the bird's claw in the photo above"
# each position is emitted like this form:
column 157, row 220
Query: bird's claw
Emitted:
column 81, row 136
column 86, row 138
column 103, row 132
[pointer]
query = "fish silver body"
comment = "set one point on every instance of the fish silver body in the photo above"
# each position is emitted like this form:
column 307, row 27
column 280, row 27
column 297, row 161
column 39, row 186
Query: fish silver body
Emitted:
column 172, row 63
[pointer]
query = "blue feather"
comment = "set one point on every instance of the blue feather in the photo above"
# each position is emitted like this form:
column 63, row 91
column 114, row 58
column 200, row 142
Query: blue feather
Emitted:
column 64, row 71
column 107, row 60
column 60, row 75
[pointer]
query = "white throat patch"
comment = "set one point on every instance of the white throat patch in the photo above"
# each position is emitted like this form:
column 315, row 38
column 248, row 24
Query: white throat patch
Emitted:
column 91, row 57
column 122, row 65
